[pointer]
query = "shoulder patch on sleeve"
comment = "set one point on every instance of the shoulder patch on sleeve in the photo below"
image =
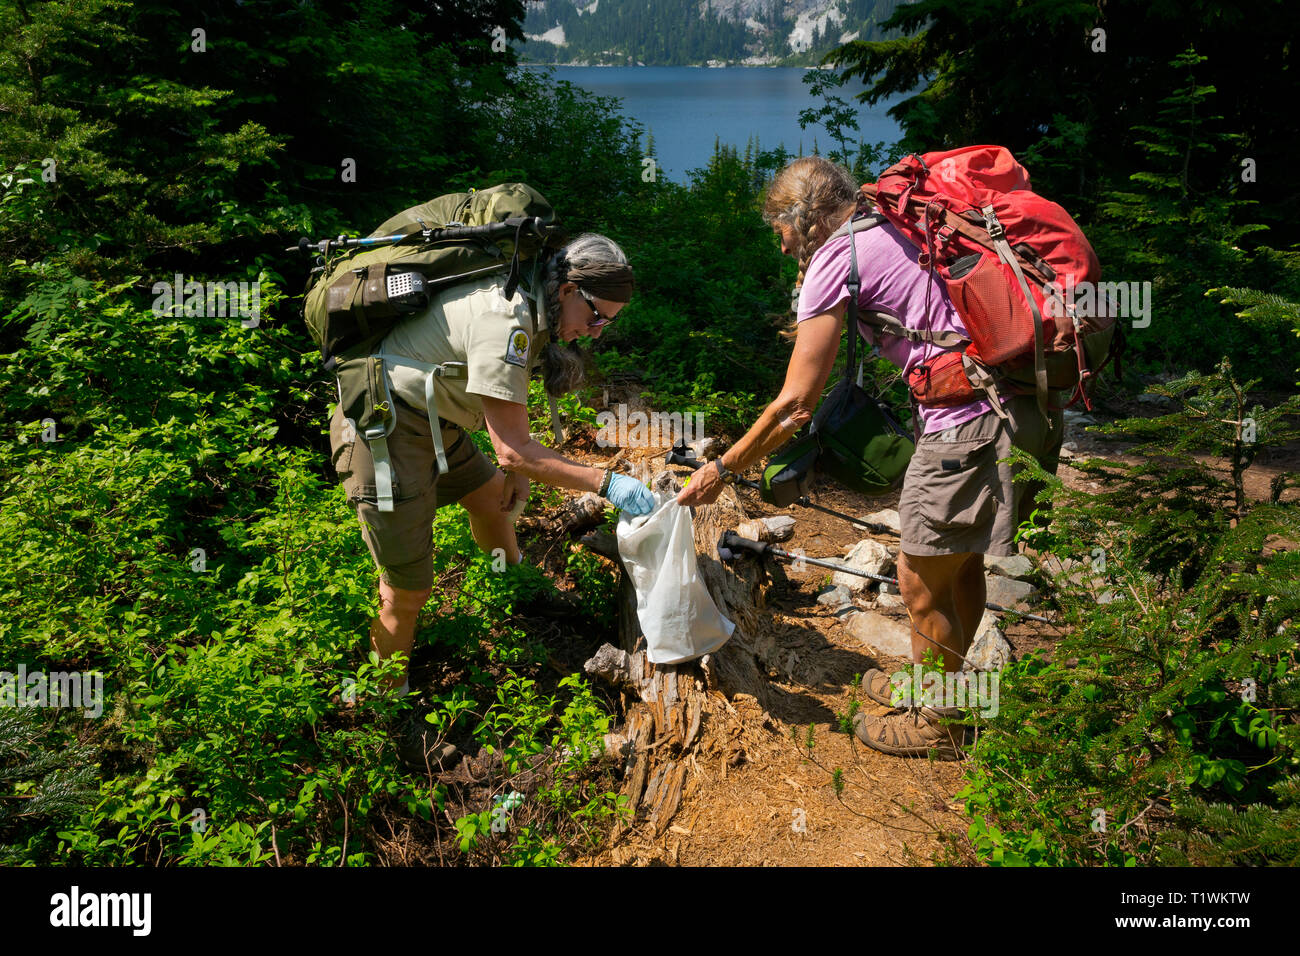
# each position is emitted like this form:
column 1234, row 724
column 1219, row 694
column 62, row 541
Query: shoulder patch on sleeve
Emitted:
column 517, row 343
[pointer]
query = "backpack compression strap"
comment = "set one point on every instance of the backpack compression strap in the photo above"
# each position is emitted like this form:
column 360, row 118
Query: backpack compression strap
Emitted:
column 379, row 443
column 998, row 235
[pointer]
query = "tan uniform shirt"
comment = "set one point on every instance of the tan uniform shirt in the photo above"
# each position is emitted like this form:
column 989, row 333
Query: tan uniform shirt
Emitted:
column 472, row 322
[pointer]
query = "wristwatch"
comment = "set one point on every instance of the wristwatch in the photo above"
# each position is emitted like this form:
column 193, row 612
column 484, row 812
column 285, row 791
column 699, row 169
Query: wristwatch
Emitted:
column 727, row 476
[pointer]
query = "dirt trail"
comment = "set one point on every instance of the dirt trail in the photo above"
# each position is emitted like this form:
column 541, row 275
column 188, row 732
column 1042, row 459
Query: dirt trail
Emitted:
column 777, row 805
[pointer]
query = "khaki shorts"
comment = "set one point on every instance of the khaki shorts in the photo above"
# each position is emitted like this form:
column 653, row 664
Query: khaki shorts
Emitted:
column 401, row 540
column 958, row 498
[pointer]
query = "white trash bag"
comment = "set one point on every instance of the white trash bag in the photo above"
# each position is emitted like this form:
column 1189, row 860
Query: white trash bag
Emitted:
column 676, row 613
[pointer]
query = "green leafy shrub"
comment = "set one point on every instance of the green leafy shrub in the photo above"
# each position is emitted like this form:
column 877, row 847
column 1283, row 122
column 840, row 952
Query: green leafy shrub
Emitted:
column 1162, row 729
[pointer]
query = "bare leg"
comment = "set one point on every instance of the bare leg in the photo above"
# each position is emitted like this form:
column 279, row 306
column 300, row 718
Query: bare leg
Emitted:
column 393, row 631
column 492, row 528
column 928, row 584
column 970, row 592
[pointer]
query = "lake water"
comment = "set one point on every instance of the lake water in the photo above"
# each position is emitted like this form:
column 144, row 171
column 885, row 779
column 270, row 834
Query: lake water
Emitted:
column 686, row 108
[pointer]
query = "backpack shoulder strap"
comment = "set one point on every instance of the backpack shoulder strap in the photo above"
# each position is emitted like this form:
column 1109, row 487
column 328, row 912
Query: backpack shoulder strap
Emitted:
column 859, row 223
column 877, row 319
column 532, row 290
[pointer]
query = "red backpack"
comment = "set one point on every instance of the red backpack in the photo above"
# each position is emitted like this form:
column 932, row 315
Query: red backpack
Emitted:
column 1010, row 260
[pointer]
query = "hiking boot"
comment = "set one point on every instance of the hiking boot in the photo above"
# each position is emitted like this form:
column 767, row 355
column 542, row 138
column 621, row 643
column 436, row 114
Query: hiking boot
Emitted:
column 551, row 603
column 419, row 745
column 915, row 732
column 876, row 685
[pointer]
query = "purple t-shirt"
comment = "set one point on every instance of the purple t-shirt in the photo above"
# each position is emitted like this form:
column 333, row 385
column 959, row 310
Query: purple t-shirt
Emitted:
column 891, row 282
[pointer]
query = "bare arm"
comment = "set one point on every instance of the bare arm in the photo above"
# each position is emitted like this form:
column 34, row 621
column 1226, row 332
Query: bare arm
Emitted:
column 815, row 348
column 519, row 453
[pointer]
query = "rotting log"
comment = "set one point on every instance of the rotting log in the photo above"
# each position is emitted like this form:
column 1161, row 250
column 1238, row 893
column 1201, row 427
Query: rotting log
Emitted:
column 574, row 516
column 712, row 710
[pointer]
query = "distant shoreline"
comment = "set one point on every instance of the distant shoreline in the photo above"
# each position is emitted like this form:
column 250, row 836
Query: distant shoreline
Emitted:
column 678, row 66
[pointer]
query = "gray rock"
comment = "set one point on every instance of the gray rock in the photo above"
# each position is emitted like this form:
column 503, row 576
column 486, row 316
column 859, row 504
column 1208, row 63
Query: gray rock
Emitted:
column 1069, row 450
column 886, row 599
column 1071, row 417
column 882, row 634
column 987, row 622
column 887, row 587
column 1153, row 399
column 889, row 518
column 1008, row 592
column 835, row 596
column 610, row 664
column 1076, row 574
column 1015, row 566
column 988, row 652
column 704, row 448
column 780, row 527
column 867, row 555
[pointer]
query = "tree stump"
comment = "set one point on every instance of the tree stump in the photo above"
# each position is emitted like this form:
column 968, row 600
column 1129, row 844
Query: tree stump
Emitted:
column 713, row 708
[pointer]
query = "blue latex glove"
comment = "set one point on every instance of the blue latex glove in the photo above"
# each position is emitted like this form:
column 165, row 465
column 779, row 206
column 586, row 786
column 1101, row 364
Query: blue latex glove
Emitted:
column 628, row 494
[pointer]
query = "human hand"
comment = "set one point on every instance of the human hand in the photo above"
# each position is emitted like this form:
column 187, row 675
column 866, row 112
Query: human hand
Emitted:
column 514, row 494
column 628, row 494
column 702, row 489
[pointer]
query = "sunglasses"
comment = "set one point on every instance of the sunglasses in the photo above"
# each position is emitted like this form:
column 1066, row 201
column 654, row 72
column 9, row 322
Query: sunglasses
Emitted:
column 600, row 321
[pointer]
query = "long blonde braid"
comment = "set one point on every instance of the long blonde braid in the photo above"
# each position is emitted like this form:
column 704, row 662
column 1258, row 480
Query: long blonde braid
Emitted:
column 813, row 196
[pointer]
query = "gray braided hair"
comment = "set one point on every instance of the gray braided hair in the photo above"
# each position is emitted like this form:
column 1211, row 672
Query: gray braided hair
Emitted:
column 562, row 366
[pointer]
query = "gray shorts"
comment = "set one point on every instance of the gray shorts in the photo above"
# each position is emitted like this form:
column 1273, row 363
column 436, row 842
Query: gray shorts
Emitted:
column 401, row 540
column 957, row 497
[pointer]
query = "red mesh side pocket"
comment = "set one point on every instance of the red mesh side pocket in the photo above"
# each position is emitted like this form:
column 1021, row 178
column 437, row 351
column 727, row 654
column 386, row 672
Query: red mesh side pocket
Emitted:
column 942, row 382
column 994, row 311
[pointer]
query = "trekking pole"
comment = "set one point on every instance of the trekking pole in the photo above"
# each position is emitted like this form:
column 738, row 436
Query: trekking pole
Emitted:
column 679, row 455
column 731, row 546
column 491, row 230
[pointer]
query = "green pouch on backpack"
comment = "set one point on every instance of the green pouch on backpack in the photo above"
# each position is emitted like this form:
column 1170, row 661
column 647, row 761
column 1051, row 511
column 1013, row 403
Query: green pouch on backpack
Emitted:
column 854, row 439
column 364, row 395
column 358, row 308
column 861, row 444
column 789, row 473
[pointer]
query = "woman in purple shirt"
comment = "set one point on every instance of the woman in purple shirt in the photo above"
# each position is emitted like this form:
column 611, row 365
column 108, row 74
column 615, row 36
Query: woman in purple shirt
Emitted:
column 958, row 503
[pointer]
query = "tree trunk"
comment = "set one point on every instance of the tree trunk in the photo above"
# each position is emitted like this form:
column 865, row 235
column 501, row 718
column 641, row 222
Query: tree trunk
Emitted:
column 711, row 708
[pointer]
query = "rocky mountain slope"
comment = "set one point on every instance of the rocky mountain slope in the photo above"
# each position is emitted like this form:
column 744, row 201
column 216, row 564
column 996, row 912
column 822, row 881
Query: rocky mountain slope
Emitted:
column 697, row 32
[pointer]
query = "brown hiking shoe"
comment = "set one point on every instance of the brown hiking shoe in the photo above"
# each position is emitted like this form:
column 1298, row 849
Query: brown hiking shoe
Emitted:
column 915, row 732
column 420, row 746
column 877, row 686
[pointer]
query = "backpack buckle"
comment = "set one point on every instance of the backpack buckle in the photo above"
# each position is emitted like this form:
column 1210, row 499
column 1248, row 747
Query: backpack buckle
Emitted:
column 996, row 232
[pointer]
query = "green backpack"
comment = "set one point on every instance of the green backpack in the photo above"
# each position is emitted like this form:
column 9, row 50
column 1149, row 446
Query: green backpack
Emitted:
column 366, row 287
column 372, row 284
